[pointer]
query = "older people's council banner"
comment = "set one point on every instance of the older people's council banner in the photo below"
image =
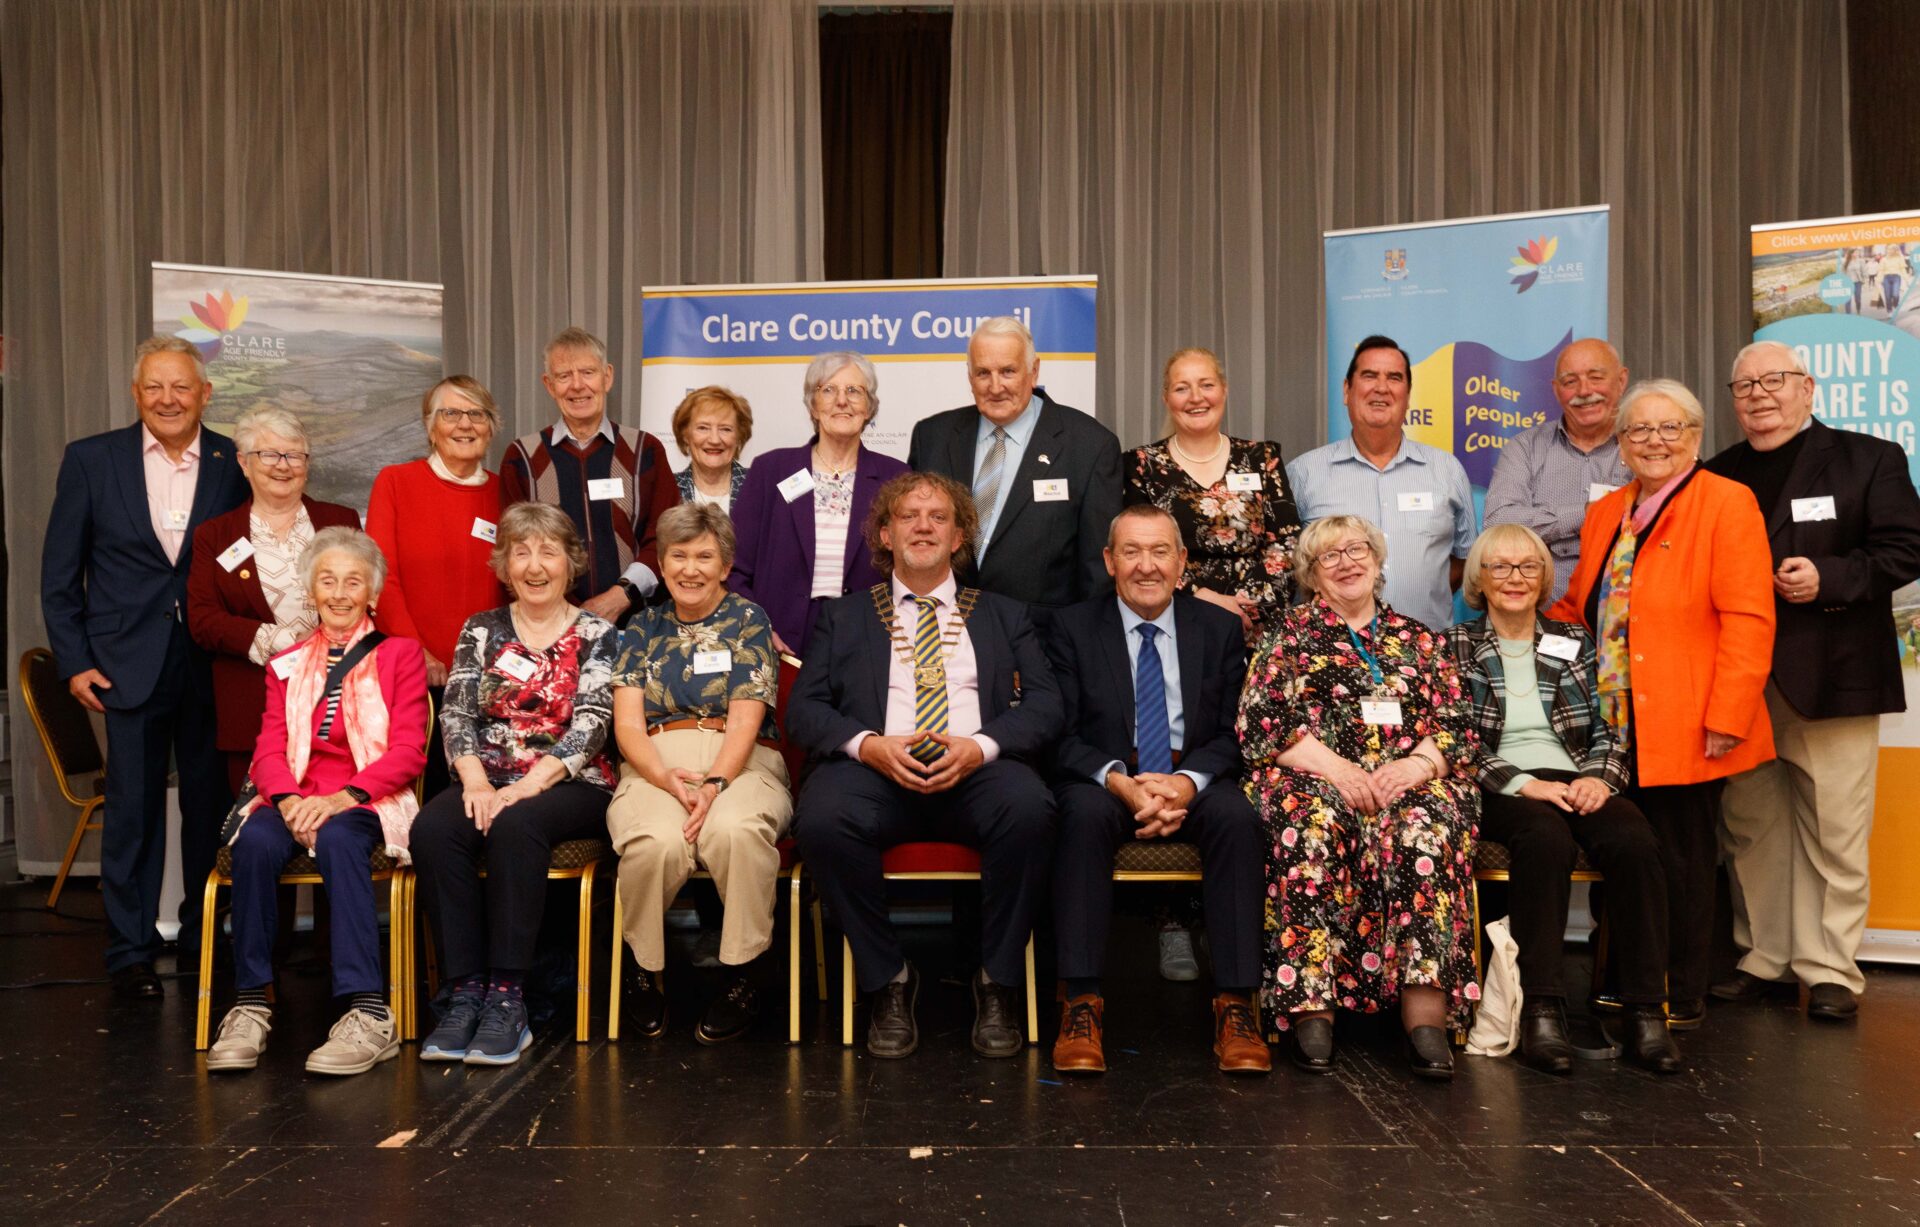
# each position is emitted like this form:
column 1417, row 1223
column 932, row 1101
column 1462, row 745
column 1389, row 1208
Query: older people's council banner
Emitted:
column 1482, row 305
column 350, row 356
column 1840, row 293
column 758, row 340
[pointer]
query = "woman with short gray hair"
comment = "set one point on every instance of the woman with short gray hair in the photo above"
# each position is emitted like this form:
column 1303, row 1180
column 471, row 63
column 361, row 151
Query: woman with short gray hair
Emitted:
column 246, row 600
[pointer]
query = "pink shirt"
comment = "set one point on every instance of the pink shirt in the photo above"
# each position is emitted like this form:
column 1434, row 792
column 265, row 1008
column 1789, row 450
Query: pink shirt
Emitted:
column 963, row 675
column 169, row 489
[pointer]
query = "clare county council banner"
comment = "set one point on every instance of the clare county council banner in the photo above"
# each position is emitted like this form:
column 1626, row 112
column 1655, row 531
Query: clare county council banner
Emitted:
column 1483, row 306
column 758, row 339
column 1840, row 292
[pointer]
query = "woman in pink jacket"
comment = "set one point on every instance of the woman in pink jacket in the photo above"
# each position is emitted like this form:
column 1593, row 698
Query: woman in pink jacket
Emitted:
column 344, row 735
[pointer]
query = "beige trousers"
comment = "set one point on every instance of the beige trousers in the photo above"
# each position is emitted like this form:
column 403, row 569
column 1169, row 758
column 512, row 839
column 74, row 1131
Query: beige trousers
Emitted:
column 736, row 845
column 1796, row 841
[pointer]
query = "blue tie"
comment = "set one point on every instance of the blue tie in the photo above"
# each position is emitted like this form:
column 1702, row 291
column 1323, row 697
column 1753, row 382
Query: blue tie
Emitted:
column 1152, row 737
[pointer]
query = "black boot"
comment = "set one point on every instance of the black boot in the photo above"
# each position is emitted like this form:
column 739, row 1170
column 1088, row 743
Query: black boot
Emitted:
column 1648, row 1042
column 1543, row 1036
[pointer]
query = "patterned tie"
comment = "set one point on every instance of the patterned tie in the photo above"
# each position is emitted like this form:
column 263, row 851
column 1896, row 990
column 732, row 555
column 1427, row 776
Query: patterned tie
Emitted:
column 986, row 487
column 929, row 697
column 1152, row 737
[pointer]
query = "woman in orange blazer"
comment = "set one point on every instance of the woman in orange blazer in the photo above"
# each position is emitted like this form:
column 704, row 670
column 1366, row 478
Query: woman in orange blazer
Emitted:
column 245, row 602
column 1675, row 582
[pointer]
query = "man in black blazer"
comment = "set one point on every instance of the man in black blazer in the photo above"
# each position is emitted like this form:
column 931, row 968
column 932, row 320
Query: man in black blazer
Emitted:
column 1151, row 680
column 923, row 705
column 113, row 590
column 1045, row 477
column 1843, row 520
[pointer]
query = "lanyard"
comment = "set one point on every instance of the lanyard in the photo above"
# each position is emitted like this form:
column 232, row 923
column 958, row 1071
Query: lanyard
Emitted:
column 1373, row 665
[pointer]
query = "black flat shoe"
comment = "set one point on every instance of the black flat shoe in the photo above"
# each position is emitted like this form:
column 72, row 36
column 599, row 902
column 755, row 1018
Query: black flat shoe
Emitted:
column 995, row 1031
column 1649, row 1043
column 1686, row 1015
column 891, row 1030
column 1313, row 1048
column 730, row 1015
column 643, row 1002
column 1744, row 988
column 1543, row 1037
column 137, row 983
column 1429, row 1054
column 1832, row 1003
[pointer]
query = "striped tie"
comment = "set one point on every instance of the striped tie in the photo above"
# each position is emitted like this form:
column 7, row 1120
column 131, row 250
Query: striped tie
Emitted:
column 929, row 698
column 1153, row 735
column 986, row 487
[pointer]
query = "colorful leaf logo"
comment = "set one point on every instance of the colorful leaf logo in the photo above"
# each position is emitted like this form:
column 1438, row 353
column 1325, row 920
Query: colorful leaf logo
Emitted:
column 1526, row 265
column 210, row 321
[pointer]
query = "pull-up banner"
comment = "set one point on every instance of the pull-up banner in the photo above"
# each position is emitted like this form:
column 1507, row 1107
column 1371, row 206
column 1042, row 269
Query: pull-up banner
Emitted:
column 757, row 340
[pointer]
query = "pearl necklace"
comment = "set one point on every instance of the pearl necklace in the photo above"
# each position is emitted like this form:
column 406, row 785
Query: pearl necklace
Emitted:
column 1181, row 453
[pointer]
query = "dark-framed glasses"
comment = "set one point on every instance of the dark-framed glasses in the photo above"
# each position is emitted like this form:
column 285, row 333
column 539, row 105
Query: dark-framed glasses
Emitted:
column 293, row 460
column 1354, row 551
column 1772, row 381
column 1504, row 570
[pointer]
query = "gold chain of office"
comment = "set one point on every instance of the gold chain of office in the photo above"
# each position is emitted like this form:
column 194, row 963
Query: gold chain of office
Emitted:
column 924, row 675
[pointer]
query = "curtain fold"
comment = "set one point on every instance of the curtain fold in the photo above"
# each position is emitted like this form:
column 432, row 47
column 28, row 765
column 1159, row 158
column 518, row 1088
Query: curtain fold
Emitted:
column 1191, row 154
column 544, row 159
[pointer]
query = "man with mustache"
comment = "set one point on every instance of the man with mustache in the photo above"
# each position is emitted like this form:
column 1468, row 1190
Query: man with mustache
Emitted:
column 1547, row 474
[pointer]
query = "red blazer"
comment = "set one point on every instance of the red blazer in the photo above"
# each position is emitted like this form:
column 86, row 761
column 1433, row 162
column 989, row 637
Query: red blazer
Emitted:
column 225, row 608
column 403, row 682
column 1701, row 628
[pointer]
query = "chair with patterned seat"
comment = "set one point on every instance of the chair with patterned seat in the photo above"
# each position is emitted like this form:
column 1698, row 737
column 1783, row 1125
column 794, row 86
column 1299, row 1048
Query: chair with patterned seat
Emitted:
column 66, row 733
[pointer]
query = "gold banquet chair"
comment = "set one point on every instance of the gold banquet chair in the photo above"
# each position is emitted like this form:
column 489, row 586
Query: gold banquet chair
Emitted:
column 66, row 734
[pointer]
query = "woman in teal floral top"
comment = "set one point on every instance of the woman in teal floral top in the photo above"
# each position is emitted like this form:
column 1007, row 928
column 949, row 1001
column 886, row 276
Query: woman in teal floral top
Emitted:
column 1357, row 742
column 703, row 784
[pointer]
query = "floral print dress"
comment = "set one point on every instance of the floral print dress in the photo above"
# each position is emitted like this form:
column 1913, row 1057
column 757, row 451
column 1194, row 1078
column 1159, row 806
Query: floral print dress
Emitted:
column 1238, row 540
column 509, row 706
column 1359, row 904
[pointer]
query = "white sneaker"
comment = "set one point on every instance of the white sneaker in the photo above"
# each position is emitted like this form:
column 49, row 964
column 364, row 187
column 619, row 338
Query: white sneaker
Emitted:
column 1177, row 960
column 242, row 1038
column 357, row 1043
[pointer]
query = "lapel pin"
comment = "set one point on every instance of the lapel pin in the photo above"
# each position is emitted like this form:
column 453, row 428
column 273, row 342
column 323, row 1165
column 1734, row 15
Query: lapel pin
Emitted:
column 1045, row 459
column 1666, row 545
column 245, row 574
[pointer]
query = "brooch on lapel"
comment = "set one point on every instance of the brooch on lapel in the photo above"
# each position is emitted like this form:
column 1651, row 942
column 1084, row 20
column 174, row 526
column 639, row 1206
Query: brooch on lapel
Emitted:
column 1045, row 459
column 1666, row 545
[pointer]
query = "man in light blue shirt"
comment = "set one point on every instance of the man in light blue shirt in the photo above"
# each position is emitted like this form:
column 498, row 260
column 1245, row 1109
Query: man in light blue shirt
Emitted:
column 1419, row 496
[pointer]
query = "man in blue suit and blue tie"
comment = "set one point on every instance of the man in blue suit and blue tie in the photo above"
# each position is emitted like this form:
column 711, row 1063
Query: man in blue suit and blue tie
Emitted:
column 113, row 584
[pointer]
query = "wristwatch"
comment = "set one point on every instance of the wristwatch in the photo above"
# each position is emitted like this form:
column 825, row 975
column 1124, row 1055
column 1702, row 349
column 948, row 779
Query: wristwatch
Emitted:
column 719, row 783
column 631, row 589
column 358, row 793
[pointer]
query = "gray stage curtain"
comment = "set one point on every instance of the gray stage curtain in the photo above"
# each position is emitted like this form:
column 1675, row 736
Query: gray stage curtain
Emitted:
column 543, row 158
column 1192, row 153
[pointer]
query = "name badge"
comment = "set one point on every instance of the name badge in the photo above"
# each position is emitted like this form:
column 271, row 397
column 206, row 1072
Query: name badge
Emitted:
column 283, row 666
column 1821, row 508
column 1420, row 501
column 176, row 519
column 798, row 483
column 1560, row 647
column 1243, row 483
column 235, row 554
column 1050, row 490
column 1380, row 711
column 1599, row 490
column 599, row 488
column 713, row 662
column 483, row 529
column 514, row 665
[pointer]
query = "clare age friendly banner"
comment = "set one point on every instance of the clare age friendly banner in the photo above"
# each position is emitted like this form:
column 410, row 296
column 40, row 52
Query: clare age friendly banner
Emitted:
column 758, row 339
column 351, row 356
column 1840, row 292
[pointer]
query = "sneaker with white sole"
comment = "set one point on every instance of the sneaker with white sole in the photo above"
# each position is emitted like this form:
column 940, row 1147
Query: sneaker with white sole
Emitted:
column 357, row 1043
column 450, row 1037
column 1177, row 960
column 503, row 1033
column 242, row 1038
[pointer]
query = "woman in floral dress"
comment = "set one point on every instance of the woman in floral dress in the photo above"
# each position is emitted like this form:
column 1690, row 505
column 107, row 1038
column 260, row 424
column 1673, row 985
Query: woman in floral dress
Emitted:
column 1356, row 736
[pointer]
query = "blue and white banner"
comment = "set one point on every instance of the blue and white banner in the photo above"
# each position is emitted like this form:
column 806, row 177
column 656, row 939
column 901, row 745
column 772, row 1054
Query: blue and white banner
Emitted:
column 1483, row 306
column 758, row 339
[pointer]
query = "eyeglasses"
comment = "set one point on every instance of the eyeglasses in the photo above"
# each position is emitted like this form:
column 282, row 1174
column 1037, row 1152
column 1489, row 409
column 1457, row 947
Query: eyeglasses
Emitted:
column 833, row 391
column 1358, row 551
column 454, row 417
column 1772, row 381
column 1505, row 570
column 293, row 460
column 1668, row 431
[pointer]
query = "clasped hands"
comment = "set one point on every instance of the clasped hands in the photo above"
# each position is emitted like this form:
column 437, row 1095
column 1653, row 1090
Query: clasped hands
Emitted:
column 1580, row 796
column 1158, row 801
column 484, row 802
column 1369, row 792
column 305, row 816
column 688, row 787
column 889, row 756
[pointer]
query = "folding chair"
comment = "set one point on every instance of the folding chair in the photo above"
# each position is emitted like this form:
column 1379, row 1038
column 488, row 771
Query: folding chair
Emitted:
column 66, row 733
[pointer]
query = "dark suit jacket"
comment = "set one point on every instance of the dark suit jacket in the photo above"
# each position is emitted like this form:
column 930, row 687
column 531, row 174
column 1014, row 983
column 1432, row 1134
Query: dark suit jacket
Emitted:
column 774, row 547
column 107, row 591
column 842, row 687
column 1046, row 554
column 1838, row 655
column 224, row 610
column 1087, row 646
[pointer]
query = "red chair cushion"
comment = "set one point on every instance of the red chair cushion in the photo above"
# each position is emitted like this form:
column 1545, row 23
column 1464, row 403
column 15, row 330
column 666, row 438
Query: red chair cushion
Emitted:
column 930, row 858
column 789, row 854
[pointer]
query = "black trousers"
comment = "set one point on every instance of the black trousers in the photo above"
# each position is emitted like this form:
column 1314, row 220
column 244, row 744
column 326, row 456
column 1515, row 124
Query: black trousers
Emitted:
column 1685, row 820
column 493, row 924
column 848, row 814
column 1095, row 824
column 1544, row 841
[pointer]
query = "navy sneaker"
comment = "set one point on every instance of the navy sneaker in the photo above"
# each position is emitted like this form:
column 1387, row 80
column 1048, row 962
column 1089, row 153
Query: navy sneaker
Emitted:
column 503, row 1033
column 450, row 1040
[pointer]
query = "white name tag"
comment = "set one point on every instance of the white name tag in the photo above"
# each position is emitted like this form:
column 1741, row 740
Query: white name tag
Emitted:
column 514, row 665
column 599, row 488
column 713, row 662
column 1560, row 647
column 797, row 484
column 176, row 519
column 1421, row 501
column 1050, row 490
column 483, row 529
column 1380, row 711
column 1821, row 508
column 1599, row 490
column 1243, row 482
column 235, row 554
column 283, row 666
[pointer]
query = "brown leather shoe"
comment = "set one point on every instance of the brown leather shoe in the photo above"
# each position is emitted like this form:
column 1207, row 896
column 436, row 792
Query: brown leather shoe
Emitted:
column 1077, row 1049
column 1237, row 1045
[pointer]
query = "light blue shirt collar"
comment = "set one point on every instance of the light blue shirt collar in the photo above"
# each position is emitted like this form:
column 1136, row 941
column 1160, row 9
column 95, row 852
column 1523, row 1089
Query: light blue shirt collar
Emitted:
column 1129, row 620
column 1345, row 449
column 1019, row 431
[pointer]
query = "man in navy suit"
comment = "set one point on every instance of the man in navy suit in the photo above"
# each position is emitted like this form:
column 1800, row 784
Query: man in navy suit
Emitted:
column 923, row 705
column 1045, row 477
column 1151, row 679
column 113, row 588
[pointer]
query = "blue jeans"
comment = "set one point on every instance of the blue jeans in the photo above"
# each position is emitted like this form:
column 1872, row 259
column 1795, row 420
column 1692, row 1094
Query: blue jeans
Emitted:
column 345, row 843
